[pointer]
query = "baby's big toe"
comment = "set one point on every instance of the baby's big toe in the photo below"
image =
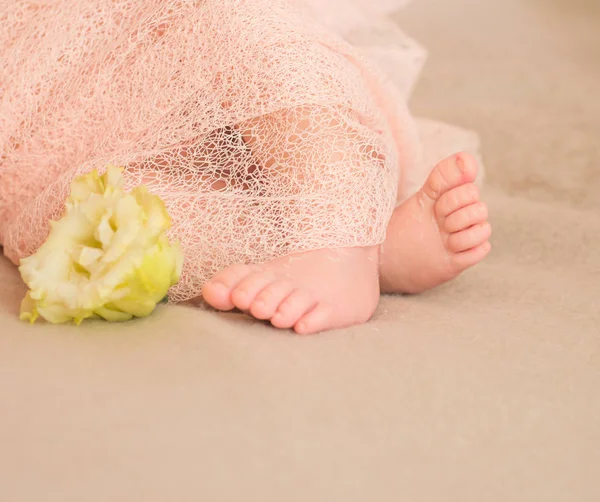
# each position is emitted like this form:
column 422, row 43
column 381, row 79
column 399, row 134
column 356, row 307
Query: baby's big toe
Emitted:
column 450, row 173
column 218, row 291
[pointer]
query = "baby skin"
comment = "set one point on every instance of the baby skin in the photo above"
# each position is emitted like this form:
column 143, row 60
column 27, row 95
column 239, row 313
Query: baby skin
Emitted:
column 432, row 237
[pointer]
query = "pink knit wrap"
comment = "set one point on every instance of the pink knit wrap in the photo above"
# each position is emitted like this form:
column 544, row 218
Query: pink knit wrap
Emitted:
column 263, row 130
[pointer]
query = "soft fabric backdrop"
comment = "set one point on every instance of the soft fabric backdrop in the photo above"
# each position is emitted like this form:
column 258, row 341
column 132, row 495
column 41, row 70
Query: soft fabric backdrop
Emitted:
column 483, row 390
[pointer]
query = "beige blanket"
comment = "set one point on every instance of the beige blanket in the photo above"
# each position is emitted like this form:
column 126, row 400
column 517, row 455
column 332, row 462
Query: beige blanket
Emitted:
column 487, row 389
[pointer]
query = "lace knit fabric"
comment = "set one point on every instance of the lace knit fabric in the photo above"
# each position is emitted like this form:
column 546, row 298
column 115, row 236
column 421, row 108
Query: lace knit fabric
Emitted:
column 263, row 130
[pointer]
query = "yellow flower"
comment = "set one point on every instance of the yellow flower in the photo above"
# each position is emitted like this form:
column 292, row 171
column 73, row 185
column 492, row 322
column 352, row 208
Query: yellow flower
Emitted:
column 107, row 257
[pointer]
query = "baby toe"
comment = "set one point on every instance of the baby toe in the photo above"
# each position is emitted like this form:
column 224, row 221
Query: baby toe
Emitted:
column 316, row 320
column 469, row 238
column 293, row 308
column 455, row 199
column 244, row 293
column 217, row 291
column 471, row 257
column 466, row 217
column 267, row 301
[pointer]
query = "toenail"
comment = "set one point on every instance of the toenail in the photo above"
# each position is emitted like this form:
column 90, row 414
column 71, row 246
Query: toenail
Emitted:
column 460, row 163
column 301, row 326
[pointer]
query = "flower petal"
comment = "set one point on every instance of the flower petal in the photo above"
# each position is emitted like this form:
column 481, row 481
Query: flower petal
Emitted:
column 28, row 309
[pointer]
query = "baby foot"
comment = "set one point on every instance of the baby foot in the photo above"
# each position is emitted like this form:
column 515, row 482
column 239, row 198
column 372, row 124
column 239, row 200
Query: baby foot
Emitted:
column 310, row 292
column 438, row 233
